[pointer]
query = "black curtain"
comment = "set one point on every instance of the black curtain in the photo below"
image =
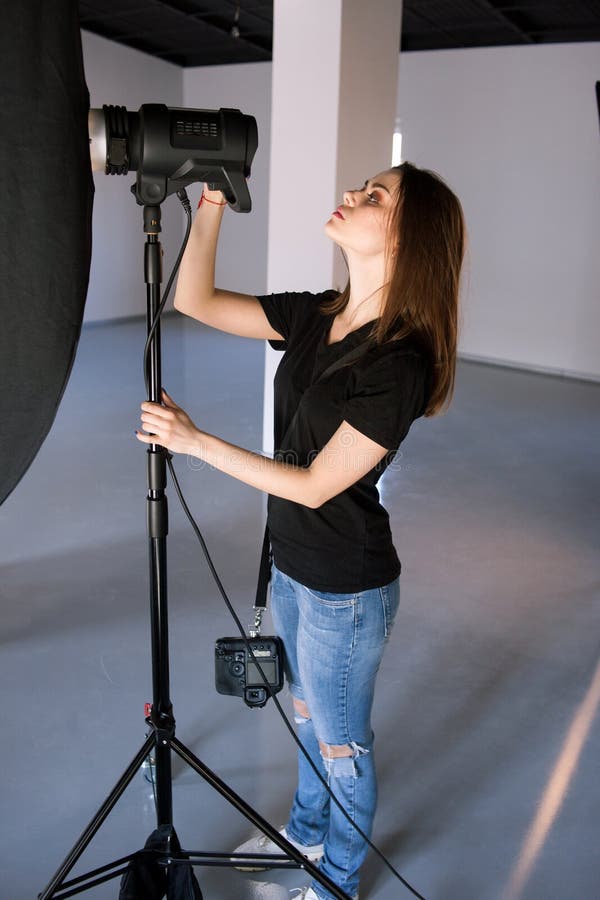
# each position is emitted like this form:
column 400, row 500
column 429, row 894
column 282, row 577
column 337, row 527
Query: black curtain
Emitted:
column 46, row 191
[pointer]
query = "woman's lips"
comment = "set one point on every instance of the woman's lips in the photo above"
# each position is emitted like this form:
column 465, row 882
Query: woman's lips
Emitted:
column 338, row 214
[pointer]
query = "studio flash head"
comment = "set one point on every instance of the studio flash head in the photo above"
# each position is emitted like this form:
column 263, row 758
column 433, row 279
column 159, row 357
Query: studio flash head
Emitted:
column 170, row 147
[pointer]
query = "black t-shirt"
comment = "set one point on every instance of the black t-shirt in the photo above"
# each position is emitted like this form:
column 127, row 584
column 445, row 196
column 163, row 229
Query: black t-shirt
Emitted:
column 346, row 544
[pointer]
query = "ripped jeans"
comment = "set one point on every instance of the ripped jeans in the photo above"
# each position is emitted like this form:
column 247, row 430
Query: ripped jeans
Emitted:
column 334, row 644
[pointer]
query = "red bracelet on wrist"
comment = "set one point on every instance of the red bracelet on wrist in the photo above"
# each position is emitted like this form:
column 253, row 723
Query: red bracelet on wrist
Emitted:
column 214, row 202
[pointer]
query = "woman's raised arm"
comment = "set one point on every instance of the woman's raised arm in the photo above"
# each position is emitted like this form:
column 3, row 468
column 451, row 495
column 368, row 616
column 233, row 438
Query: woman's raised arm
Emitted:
column 196, row 295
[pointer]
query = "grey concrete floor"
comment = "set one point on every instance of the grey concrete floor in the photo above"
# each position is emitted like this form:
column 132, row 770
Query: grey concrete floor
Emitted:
column 486, row 711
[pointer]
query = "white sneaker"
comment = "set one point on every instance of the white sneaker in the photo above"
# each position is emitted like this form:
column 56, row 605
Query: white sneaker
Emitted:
column 307, row 893
column 262, row 844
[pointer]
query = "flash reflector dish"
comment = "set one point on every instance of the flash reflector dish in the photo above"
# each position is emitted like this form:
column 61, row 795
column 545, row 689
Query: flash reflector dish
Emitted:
column 97, row 132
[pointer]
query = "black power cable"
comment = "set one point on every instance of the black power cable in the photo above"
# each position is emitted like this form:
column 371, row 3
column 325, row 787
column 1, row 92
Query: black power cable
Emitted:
column 182, row 195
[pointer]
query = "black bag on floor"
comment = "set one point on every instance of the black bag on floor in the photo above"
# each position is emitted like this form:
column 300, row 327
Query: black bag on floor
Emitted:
column 146, row 880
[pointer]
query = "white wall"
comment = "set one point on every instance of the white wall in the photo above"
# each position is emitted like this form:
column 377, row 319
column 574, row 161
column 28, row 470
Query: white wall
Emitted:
column 121, row 76
column 514, row 130
column 242, row 251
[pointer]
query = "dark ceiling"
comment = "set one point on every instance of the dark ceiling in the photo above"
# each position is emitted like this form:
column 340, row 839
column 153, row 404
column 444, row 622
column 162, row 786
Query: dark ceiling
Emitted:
column 217, row 32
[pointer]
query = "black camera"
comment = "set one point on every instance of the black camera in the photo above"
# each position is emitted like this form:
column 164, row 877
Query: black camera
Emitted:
column 236, row 672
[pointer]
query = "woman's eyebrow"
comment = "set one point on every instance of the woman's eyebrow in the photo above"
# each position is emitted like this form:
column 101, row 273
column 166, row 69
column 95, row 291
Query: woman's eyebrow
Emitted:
column 377, row 185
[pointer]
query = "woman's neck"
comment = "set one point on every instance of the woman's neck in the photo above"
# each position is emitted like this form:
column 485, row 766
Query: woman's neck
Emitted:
column 367, row 291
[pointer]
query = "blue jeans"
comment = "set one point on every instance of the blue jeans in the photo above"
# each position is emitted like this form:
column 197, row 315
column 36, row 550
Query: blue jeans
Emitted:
column 334, row 644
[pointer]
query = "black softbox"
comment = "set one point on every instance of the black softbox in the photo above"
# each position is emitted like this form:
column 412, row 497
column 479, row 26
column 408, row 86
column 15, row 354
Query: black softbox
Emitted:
column 47, row 194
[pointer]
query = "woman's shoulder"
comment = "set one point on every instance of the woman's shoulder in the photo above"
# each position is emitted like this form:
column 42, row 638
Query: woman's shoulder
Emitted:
column 301, row 296
column 294, row 313
column 299, row 304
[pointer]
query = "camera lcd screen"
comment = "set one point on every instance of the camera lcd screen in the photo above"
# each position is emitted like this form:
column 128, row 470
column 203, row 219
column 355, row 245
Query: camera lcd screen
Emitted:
column 253, row 675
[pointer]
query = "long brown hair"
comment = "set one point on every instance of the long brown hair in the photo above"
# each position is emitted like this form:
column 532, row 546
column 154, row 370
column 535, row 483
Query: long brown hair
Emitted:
column 424, row 253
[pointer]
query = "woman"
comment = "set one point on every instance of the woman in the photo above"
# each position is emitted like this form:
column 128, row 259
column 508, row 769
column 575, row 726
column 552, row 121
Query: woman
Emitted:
column 335, row 582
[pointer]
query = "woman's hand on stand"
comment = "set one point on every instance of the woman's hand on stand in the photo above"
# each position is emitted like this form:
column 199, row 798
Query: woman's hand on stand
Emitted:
column 170, row 426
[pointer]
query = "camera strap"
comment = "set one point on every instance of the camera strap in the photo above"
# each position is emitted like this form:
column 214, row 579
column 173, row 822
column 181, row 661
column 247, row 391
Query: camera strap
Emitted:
column 266, row 558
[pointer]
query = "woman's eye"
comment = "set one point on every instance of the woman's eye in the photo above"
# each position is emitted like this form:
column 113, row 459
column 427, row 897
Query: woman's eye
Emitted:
column 372, row 198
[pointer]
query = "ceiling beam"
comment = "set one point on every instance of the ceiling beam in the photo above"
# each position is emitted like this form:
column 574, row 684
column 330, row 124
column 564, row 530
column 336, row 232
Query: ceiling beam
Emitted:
column 415, row 10
column 508, row 19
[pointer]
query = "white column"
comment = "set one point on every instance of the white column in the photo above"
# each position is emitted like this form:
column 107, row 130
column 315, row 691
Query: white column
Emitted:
column 334, row 86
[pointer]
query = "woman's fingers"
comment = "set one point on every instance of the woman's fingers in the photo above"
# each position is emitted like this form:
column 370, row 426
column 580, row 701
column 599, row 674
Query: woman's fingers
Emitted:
column 156, row 409
column 151, row 436
column 156, row 413
column 151, row 427
column 160, row 408
column 155, row 419
column 166, row 424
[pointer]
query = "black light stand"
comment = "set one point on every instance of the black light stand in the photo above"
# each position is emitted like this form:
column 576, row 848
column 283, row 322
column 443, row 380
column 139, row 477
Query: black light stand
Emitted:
column 162, row 739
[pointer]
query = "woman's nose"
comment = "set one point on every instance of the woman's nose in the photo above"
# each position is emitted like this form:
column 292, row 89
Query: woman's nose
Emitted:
column 348, row 198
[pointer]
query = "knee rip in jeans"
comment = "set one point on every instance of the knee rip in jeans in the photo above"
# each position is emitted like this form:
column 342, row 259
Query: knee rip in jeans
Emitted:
column 337, row 758
column 340, row 760
column 301, row 713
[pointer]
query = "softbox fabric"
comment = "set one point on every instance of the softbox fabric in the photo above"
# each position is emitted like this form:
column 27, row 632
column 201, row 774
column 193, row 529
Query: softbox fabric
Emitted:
column 47, row 192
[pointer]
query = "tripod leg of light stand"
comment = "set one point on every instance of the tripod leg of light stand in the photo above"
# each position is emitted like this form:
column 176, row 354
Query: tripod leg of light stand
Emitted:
column 89, row 832
column 198, row 766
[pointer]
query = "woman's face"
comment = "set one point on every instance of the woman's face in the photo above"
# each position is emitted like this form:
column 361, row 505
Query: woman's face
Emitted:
column 360, row 224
